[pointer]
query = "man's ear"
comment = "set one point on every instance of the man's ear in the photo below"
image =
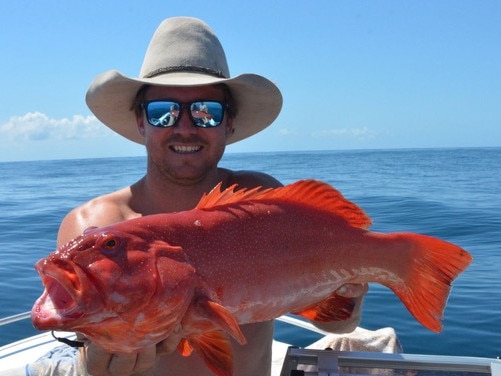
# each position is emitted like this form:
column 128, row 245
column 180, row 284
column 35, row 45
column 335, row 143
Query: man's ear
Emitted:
column 140, row 125
column 229, row 127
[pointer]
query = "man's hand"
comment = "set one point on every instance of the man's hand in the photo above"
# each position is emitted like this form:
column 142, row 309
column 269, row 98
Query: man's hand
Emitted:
column 356, row 291
column 99, row 362
column 353, row 290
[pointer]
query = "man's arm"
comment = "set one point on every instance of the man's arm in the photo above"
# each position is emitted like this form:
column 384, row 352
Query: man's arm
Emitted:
column 98, row 362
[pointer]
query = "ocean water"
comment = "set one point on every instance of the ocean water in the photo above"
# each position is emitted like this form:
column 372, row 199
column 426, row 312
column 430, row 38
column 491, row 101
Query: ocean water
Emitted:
column 454, row 194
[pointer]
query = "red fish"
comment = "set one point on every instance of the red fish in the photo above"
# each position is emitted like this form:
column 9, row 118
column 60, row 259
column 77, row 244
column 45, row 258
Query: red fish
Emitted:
column 240, row 256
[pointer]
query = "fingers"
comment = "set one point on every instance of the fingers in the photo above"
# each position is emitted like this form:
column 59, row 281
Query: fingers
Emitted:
column 145, row 361
column 169, row 344
column 134, row 364
column 99, row 362
column 353, row 290
column 102, row 363
column 96, row 360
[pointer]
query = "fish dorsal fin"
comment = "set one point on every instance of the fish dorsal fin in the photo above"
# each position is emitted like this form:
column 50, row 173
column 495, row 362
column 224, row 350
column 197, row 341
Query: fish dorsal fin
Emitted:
column 216, row 197
column 311, row 192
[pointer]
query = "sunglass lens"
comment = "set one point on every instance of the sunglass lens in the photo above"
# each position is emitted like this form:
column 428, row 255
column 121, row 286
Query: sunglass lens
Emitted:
column 207, row 113
column 162, row 113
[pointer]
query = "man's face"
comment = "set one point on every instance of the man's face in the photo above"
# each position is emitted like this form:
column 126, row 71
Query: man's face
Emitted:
column 184, row 152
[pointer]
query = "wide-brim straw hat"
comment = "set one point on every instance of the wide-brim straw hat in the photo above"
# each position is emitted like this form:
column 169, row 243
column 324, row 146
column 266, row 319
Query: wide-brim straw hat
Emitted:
column 184, row 51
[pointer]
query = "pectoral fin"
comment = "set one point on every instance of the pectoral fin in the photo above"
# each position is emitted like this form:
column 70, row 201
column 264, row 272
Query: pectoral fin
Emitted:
column 221, row 317
column 184, row 347
column 333, row 308
column 215, row 350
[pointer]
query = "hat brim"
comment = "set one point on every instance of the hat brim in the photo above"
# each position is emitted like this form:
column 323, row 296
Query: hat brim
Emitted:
column 111, row 95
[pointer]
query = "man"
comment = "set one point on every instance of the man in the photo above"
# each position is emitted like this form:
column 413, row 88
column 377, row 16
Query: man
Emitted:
column 184, row 68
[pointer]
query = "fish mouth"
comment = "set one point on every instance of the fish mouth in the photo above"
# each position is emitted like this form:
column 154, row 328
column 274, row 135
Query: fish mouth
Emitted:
column 57, row 306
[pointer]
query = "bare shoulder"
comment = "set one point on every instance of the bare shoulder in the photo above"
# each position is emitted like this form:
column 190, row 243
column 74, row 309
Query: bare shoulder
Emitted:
column 252, row 179
column 100, row 211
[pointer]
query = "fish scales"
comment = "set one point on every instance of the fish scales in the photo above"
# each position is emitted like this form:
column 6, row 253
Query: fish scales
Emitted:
column 240, row 256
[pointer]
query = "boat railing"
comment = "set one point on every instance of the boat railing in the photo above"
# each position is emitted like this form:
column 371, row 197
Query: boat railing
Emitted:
column 300, row 361
column 286, row 319
column 15, row 318
column 317, row 362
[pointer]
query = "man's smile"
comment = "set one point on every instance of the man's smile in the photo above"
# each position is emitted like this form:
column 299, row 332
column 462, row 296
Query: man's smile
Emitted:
column 185, row 149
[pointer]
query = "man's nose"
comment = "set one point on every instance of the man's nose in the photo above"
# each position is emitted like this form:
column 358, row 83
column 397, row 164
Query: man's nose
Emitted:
column 184, row 123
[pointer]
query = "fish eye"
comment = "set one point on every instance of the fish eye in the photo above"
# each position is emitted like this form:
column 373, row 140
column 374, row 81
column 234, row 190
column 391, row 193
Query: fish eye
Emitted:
column 109, row 243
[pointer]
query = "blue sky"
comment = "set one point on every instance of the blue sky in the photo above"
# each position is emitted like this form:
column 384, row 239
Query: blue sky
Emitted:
column 354, row 74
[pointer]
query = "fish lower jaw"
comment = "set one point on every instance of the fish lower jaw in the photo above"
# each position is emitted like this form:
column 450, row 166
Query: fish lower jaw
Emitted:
column 55, row 307
column 46, row 316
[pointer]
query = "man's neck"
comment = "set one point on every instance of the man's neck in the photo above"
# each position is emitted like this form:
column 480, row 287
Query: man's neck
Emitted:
column 151, row 195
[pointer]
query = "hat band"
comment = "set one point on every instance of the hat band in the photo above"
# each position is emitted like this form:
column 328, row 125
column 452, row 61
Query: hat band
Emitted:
column 184, row 68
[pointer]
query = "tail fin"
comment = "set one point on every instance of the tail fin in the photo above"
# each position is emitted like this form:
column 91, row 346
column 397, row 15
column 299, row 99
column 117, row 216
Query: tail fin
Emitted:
column 434, row 265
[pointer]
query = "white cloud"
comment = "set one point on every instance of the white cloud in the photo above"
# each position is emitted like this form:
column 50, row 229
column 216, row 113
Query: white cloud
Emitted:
column 363, row 133
column 36, row 126
column 289, row 132
column 356, row 133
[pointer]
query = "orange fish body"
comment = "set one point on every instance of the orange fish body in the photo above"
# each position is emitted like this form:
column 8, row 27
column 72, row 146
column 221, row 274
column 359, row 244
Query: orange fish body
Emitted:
column 239, row 257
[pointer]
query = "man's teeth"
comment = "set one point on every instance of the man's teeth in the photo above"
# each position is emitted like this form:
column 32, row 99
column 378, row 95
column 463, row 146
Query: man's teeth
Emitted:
column 186, row 148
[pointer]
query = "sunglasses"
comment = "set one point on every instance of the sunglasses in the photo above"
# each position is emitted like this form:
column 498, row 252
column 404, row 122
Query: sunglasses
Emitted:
column 165, row 113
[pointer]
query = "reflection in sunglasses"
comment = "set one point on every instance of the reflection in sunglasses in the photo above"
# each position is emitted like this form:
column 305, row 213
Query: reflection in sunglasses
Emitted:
column 165, row 113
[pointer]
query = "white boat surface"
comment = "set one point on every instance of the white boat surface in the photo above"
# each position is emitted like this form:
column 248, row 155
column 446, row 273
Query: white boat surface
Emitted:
column 289, row 360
